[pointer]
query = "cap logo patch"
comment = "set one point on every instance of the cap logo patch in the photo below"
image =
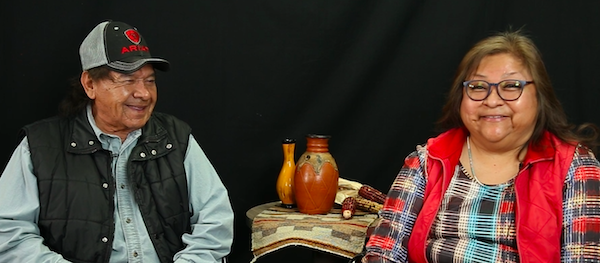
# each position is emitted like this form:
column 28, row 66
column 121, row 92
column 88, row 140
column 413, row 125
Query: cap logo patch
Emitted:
column 133, row 36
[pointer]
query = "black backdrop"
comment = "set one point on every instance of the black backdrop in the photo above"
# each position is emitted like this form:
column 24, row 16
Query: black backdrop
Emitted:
column 246, row 74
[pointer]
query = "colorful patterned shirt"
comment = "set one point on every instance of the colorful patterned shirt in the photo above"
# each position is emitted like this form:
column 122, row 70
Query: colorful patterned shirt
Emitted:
column 581, row 217
column 475, row 222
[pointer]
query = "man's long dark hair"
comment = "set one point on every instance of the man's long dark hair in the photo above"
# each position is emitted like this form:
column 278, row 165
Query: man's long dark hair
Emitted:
column 76, row 99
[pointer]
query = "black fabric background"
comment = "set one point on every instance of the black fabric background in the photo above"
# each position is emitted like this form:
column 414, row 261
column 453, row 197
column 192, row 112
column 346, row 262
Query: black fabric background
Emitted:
column 247, row 74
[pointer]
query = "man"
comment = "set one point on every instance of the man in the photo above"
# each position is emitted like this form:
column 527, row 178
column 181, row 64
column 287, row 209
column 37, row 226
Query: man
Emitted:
column 111, row 180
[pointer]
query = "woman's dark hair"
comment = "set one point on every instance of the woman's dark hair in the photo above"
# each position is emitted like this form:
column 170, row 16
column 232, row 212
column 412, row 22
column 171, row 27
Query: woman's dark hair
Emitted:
column 76, row 99
column 550, row 114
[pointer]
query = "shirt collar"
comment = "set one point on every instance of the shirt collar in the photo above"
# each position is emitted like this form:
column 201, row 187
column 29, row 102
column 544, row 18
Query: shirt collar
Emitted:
column 134, row 134
column 449, row 145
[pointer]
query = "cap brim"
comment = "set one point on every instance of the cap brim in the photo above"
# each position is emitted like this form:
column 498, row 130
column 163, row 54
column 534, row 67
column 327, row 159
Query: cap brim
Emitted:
column 130, row 67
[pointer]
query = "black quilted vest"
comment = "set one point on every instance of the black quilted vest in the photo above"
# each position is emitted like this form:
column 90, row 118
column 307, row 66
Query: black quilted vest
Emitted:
column 76, row 186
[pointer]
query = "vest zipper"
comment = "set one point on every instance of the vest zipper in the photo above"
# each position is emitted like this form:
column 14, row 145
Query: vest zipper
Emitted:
column 444, row 168
column 111, row 180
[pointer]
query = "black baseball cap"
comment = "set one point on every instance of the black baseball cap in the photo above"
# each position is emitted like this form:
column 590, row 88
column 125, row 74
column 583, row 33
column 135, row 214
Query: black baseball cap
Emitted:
column 119, row 46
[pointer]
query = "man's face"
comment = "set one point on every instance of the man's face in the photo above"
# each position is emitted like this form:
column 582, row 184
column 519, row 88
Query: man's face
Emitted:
column 122, row 103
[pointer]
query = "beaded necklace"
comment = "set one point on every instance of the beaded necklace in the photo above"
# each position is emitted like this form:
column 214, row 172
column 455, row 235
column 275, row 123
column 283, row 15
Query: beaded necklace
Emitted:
column 471, row 160
column 471, row 163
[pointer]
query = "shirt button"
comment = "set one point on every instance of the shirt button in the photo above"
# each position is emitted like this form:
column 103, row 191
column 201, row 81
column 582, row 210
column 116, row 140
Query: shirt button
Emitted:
column 122, row 186
column 105, row 185
column 104, row 239
column 135, row 254
column 128, row 220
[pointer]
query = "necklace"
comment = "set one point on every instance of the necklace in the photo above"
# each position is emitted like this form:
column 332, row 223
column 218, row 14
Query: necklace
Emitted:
column 471, row 160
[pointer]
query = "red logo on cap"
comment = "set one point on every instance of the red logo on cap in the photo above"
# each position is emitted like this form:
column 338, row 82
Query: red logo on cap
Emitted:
column 133, row 36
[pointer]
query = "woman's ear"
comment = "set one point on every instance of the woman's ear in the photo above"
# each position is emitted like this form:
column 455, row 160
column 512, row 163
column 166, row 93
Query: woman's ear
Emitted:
column 88, row 85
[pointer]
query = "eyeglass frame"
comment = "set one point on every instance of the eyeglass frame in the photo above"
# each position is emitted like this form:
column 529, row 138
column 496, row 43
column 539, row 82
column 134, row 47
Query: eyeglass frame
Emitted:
column 491, row 85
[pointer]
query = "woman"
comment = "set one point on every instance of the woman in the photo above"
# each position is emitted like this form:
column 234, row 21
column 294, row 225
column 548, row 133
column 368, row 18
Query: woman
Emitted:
column 509, row 180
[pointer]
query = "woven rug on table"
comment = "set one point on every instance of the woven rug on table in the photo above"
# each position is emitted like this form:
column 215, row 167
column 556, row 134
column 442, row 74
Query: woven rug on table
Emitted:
column 278, row 227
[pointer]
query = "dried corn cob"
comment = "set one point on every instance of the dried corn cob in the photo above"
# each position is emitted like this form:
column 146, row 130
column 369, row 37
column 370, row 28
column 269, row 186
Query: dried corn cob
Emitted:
column 348, row 207
column 367, row 205
column 371, row 193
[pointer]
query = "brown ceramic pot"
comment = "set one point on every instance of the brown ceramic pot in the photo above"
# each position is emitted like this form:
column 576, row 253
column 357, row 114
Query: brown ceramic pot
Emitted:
column 316, row 178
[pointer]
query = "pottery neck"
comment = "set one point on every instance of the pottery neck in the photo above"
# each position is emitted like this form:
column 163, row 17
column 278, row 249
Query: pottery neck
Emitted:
column 288, row 150
column 317, row 145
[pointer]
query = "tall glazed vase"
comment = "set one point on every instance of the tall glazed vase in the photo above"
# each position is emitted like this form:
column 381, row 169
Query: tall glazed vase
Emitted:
column 285, row 181
column 316, row 178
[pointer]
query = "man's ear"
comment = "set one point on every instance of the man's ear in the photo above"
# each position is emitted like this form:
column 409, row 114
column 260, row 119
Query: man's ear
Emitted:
column 88, row 85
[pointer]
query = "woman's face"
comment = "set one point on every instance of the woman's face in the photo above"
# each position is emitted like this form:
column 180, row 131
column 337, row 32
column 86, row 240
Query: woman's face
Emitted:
column 493, row 120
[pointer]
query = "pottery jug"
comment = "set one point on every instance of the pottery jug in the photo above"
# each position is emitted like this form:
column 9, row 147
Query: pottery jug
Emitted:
column 285, row 181
column 316, row 178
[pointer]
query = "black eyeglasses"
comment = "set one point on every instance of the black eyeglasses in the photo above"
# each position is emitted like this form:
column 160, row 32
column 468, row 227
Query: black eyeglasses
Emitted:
column 508, row 90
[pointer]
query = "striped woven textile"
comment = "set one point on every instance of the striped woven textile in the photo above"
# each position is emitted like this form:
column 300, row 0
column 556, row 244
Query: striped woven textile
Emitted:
column 277, row 227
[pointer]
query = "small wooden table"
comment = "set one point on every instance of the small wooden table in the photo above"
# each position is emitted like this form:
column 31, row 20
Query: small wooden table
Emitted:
column 330, row 237
column 254, row 211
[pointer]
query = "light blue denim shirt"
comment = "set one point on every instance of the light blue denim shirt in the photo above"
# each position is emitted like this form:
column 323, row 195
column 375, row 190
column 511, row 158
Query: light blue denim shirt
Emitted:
column 212, row 214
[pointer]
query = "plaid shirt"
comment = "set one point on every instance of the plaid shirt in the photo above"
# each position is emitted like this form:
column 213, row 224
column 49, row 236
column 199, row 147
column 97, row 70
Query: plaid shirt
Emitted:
column 581, row 215
column 475, row 222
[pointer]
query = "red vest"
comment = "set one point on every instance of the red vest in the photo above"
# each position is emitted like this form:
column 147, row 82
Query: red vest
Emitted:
column 538, row 186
